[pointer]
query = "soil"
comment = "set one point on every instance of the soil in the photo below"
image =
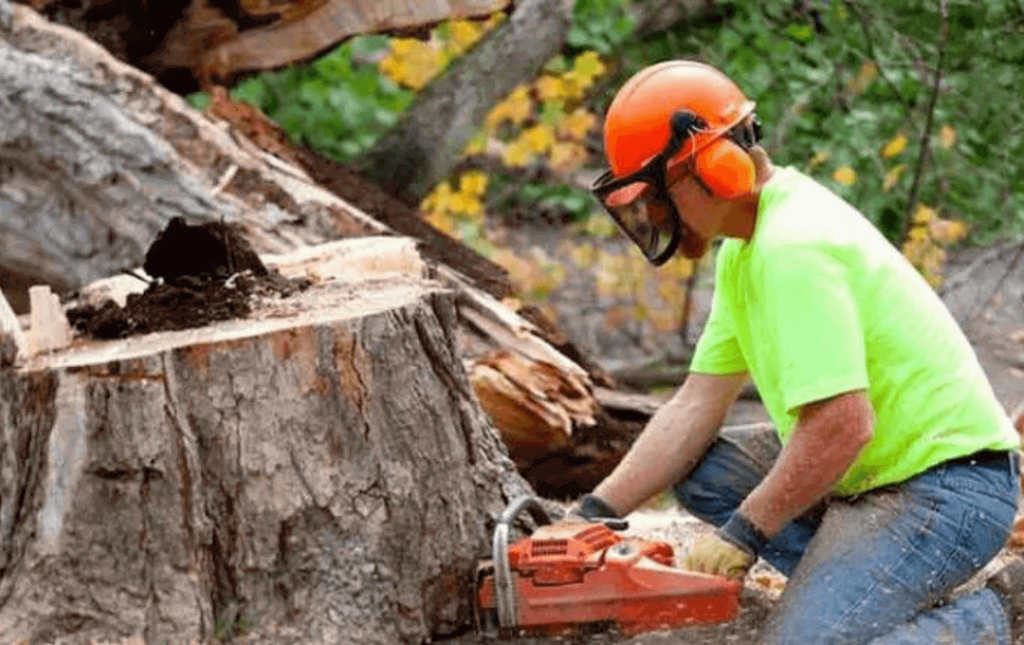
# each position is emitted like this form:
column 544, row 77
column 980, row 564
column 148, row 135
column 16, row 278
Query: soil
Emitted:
column 200, row 274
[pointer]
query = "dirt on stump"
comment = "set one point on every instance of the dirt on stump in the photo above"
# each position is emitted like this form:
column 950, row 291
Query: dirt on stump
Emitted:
column 202, row 274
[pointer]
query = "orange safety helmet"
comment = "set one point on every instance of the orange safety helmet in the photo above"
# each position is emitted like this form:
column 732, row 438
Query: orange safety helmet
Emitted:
column 638, row 125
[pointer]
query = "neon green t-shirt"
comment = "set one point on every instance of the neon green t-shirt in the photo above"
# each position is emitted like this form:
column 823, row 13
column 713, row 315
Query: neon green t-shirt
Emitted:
column 818, row 303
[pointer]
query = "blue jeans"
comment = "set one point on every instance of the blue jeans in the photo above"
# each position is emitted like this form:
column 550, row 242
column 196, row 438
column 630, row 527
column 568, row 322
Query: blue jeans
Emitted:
column 875, row 568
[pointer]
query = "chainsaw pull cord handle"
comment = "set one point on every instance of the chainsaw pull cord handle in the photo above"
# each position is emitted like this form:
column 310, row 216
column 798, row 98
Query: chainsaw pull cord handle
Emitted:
column 504, row 587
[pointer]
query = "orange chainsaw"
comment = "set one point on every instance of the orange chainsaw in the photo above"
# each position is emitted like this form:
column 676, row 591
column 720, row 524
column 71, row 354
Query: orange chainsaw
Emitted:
column 572, row 574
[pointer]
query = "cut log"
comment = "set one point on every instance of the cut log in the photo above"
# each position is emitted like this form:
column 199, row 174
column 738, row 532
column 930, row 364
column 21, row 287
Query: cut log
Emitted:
column 534, row 405
column 319, row 472
column 96, row 159
column 564, row 434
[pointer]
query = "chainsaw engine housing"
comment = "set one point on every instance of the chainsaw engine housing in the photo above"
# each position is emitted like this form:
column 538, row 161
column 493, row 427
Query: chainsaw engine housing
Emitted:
column 567, row 575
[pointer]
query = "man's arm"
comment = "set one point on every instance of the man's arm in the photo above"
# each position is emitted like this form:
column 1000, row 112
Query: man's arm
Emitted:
column 672, row 442
column 827, row 439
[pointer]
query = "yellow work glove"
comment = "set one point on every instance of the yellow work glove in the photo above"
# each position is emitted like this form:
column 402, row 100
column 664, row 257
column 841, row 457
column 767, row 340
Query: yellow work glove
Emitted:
column 712, row 554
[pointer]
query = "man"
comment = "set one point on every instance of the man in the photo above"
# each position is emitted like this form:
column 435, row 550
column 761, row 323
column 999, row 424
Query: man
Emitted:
column 891, row 475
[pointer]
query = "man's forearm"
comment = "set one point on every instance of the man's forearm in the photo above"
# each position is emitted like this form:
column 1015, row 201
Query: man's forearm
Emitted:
column 824, row 444
column 673, row 441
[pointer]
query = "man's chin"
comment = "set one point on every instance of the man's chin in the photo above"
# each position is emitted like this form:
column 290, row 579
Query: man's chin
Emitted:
column 693, row 247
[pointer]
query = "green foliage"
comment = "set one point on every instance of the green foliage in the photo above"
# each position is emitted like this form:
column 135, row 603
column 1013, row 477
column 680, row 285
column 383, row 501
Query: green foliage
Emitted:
column 541, row 200
column 334, row 104
column 599, row 25
column 836, row 81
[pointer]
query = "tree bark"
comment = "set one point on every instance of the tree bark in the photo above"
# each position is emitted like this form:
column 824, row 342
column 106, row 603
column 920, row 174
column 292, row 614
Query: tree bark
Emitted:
column 425, row 145
column 317, row 473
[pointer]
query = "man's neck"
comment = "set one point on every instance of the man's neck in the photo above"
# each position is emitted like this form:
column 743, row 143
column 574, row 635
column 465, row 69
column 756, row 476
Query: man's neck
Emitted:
column 741, row 220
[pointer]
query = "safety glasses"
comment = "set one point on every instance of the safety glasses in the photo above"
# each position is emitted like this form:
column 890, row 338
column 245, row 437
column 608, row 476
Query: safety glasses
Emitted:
column 640, row 203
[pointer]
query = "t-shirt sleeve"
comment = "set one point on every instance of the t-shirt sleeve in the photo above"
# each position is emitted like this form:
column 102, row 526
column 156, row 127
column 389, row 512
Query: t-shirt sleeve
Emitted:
column 816, row 324
column 718, row 350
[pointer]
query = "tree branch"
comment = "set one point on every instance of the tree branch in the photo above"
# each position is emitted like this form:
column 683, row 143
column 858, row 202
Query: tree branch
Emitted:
column 872, row 54
column 926, row 131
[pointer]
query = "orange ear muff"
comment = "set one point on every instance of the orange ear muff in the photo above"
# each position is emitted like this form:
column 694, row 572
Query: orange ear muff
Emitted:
column 726, row 169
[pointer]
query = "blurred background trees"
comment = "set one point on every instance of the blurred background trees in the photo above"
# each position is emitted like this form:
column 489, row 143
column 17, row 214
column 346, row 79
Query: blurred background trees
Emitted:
column 906, row 108
column 909, row 109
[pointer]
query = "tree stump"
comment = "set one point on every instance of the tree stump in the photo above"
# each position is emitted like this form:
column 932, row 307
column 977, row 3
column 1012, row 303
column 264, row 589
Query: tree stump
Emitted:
column 319, row 472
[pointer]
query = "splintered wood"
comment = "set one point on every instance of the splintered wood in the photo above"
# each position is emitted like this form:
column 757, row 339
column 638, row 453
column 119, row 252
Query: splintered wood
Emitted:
column 533, row 404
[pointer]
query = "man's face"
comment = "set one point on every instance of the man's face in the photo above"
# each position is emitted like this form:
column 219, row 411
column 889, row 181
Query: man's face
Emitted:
column 697, row 208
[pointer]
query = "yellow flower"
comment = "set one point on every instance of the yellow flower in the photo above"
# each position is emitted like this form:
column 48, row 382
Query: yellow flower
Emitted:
column 820, row 157
column 947, row 137
column 550, row 88
column 946, row 232
column 473, row 182
column 517, row 154
column 893, row 176
column 924, row 214
column 895, row 146
column 477, row 145
column 539, row 138
column 845, row 176
column 516, row 108
column 588, row 65
column 868, row 72
column 567, row 156
column 464, row 34
column 577, row 124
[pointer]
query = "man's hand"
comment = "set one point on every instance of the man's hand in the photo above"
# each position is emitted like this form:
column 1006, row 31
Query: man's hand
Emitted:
column 591, row 508
column 712, row 554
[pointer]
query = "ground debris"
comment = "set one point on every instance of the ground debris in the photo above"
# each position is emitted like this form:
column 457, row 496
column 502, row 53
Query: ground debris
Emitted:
column 204, row 273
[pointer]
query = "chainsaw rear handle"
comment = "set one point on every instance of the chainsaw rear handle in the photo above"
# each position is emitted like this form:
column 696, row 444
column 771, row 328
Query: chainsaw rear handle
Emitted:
column 504, row 585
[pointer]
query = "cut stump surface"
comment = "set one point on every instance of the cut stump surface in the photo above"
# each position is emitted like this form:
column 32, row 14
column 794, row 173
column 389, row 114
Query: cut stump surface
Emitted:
column 318, row 473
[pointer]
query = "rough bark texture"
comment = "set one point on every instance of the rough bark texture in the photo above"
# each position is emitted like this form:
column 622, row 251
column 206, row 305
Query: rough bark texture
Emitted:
column 320, row 473
column 426, row 143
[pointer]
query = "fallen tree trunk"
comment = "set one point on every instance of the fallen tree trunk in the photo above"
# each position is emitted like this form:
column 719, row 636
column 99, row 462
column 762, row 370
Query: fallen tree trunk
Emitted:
column 319, row 472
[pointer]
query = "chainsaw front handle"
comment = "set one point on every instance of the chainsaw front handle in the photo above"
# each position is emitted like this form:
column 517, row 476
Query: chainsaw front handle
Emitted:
column 504, row 586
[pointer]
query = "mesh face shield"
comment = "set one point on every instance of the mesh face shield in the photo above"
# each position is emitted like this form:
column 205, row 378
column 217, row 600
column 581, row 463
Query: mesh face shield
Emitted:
column 640, row 203
column 645, row 213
